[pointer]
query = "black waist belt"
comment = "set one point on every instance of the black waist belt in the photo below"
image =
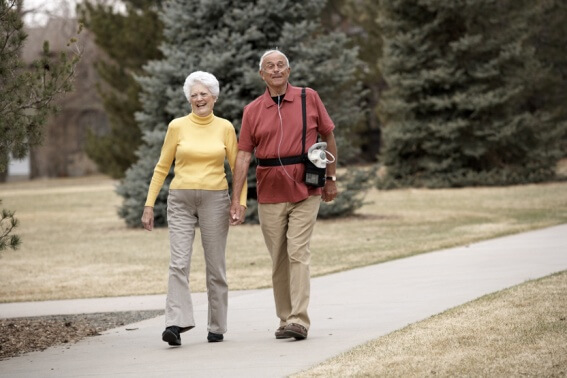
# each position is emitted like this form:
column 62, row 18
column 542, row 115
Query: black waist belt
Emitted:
column 281, row 161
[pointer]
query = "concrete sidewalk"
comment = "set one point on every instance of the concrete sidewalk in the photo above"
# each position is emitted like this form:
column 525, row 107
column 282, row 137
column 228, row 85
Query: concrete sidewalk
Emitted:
column 347, row 309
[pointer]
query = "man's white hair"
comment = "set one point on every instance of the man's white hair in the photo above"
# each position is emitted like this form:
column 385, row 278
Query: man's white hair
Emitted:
column 207, row 79
column 271, row 52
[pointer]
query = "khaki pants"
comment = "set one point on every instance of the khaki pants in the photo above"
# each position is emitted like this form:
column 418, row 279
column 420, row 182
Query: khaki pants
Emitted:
column 187, row 208
column 287, row 229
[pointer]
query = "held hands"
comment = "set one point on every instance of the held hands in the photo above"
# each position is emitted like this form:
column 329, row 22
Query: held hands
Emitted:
column 329, row 191
column 237, row 214
column 148, row 218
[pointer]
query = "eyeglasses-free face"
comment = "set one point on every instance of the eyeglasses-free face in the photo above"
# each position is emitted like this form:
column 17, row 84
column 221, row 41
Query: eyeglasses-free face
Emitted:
column 202, row 101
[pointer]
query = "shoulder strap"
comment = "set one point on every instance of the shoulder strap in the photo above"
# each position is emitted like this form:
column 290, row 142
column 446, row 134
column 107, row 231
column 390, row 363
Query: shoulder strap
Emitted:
column 304, row 116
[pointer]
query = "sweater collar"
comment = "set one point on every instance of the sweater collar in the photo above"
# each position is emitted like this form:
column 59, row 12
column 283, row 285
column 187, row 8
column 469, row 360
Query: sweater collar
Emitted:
column 202, row 120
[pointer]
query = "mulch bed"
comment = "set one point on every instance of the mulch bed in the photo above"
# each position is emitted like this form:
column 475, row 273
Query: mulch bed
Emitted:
column 23, row 335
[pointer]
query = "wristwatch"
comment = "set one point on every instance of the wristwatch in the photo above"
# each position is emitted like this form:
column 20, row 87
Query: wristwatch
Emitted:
column 332, row 178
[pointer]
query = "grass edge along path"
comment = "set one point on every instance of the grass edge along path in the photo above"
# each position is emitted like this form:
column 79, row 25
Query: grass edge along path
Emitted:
column 519, row 331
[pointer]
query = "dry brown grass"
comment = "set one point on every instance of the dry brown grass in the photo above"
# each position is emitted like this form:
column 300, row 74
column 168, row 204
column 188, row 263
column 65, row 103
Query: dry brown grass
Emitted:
column 517, row 332
column 75, row 245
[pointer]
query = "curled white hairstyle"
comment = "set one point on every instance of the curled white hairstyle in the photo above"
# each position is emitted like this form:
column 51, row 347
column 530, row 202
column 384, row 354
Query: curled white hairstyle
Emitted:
column 201, row 77
column 271, row 52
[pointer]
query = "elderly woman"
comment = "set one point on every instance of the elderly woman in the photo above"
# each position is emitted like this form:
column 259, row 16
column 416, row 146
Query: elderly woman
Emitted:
column 199, row 143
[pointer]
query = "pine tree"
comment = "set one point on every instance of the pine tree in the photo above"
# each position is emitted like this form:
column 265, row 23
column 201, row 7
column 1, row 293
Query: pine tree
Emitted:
column 27, row 97
column 357, row 18
column 27, row 93
column 550, row 41
column 129, row 39
column 459, row 109
column 7, row 224
column 227, row 38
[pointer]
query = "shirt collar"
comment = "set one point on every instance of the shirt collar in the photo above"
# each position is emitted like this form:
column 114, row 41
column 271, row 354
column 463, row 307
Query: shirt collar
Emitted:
column 289, row 96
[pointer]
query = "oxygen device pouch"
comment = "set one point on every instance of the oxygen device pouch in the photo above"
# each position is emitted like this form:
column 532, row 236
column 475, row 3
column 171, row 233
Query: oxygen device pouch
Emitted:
column 314, row 176
column 316, row 164
column 315, row 160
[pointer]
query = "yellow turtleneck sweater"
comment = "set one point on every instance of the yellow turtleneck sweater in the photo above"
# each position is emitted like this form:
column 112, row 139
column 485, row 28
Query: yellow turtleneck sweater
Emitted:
column 199, row 146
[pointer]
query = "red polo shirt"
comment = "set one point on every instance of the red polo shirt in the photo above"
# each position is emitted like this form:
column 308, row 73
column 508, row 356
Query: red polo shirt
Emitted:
column 269, row 134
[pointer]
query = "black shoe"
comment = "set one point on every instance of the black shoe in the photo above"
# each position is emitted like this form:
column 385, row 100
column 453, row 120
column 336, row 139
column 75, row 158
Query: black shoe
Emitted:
column 214, row 337
column 171, row 335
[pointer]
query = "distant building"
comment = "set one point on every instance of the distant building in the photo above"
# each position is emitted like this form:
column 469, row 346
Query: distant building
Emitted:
column 19, row 169
column 62, row 152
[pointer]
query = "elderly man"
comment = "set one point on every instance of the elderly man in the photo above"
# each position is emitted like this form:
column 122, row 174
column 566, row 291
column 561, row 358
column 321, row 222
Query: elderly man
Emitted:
column 272, row 128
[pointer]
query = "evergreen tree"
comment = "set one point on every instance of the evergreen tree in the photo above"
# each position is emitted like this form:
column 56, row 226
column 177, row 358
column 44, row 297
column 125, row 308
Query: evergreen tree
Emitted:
column 7, row 224
column 459, row 109
column 129, row 39
column 227, row 38
column 550, row 41
column 357, row 18
column 27, row 96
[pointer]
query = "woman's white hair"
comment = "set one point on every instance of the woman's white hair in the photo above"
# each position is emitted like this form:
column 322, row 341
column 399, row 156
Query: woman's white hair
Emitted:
column 201, row 77
column 271, row 52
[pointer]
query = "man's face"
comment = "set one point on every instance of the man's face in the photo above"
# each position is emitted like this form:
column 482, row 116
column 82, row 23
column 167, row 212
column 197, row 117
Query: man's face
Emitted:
column 275, row 71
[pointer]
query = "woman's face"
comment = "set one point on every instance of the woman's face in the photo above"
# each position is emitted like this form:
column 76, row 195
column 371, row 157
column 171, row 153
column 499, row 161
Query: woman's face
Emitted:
column 202, row 101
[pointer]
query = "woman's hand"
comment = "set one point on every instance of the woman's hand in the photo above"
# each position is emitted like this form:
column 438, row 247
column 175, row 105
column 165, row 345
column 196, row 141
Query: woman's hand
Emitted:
column 148, row 218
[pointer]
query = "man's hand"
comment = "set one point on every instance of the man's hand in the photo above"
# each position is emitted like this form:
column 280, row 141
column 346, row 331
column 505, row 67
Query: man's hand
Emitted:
column 329, row 191
column 237, row 214
column 237, row 211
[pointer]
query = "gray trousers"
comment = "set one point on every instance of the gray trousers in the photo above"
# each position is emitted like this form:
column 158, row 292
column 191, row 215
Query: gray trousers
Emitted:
column 209, row 209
